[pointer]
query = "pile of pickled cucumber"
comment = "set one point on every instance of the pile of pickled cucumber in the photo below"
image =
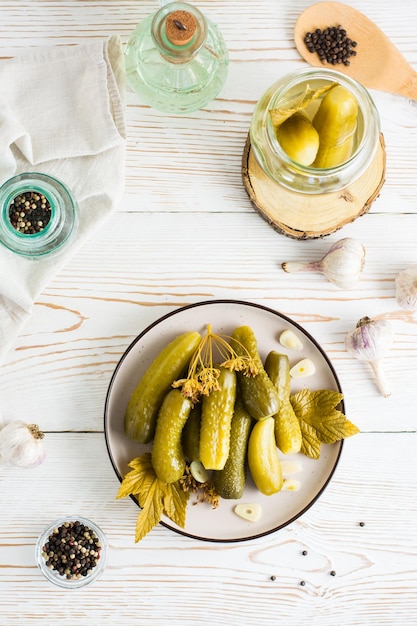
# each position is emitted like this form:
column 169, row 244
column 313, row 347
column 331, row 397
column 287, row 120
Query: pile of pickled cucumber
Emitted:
column 238, row 424
column 328, row 138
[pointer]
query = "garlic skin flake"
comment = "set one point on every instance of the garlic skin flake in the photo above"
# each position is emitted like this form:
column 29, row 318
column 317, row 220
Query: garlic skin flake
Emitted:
column 406, row 288
column 370, row 341
column 342, row 265
column 21, row 444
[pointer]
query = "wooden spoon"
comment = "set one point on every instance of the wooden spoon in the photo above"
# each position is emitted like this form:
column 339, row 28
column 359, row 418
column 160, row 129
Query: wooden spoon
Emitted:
column 378, row 64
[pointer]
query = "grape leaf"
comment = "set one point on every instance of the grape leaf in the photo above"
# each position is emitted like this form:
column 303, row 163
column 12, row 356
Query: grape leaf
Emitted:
column 311, row 445
column 137, row 481
column 152, row 510
column 278, row 116
column 175, row 503
column 154, row 496
column 320, row 420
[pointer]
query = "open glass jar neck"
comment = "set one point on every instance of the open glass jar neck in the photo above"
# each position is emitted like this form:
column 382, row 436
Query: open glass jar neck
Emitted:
column 62, row 221
column 179, row 30
column 290, row 174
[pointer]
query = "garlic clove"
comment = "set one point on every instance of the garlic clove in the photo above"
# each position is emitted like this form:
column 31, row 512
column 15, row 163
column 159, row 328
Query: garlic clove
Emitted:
column 302, row 369
column 290, row 340
column 249, row 512
column 199, row 472
column 406, row 288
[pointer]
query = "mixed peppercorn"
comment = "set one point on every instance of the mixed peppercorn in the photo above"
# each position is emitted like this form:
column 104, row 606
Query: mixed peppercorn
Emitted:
column 29, row 212
column 72, row 550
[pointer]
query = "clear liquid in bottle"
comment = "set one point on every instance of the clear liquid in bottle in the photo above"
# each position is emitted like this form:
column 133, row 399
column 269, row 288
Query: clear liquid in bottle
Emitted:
column 176, row 60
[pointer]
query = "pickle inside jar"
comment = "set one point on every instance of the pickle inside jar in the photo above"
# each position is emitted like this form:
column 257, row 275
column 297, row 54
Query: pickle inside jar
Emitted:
column 298, row 138
column 323, row 132
column 336, row 122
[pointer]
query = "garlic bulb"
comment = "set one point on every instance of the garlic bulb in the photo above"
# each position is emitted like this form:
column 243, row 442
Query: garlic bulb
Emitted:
column 342, row 265
column 370, row 341
column 406, row 288
column 21, row 444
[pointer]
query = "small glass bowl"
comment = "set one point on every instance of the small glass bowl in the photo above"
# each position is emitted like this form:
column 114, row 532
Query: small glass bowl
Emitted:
column 60, row 227
column 59, row 579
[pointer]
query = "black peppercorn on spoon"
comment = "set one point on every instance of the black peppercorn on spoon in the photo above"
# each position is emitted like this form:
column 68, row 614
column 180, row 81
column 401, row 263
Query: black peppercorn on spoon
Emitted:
column 375, row 62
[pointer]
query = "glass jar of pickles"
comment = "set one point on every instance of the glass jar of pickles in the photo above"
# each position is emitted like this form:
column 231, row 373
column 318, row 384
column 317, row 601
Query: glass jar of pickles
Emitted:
column 315, row 131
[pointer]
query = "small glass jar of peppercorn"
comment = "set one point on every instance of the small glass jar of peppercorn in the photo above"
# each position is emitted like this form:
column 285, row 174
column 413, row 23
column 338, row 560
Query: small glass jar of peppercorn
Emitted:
column 71, row 552
column 38, row 214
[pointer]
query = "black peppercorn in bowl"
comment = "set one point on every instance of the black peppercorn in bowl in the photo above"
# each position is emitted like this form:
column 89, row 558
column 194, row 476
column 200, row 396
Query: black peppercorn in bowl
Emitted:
column 71, row 552
column 38, row 214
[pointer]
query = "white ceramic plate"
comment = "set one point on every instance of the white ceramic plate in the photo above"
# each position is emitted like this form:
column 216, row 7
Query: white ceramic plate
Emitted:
column 278, row 510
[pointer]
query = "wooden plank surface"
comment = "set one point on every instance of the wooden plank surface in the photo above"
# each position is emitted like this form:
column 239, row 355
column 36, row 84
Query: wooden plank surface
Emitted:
column 186, row 232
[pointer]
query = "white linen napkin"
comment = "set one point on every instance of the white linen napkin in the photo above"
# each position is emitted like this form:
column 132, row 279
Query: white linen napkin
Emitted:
column 62, row 114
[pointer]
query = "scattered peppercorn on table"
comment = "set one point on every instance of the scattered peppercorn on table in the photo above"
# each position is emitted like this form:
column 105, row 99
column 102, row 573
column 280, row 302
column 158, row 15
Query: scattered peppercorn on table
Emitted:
column 185, row 233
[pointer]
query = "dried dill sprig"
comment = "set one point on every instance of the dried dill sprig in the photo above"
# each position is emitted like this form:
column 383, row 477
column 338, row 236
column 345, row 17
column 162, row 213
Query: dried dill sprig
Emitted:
column 204, row 492
column 202, row 377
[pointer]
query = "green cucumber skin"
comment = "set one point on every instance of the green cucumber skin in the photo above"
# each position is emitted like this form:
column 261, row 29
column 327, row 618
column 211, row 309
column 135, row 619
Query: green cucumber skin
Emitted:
column 168, row 458
column 258, row 392
column 231, row 480
column 216, row 418
column 191, row 434
column 288, row 435
column 146, row 399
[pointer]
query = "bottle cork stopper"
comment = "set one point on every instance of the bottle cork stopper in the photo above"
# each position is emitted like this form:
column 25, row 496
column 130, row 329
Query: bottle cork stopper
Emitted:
column 180, row 27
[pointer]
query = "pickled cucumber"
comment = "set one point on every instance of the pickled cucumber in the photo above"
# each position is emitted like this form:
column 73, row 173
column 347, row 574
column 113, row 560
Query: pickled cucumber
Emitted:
column 336, row 122
column 146, row 399
column 191, row 434
column 216, row 418
column 263, row 460
column 298, row 138
column 230, row 481
column 331, row 156
column 168, row 458
column 287, row 427
column 259, row 394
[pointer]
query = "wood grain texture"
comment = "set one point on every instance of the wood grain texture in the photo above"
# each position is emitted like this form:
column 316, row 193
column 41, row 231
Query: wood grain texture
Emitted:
column 220, row 583
column 303, row 216
column 382, row 66
column 186, row 232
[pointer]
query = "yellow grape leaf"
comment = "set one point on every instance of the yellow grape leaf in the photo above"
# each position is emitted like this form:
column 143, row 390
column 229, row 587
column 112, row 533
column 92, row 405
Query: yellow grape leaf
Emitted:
column 175, row 503
column 152, row 510
column 153, row 495
column 320, row 420
column 137, row 480
column 311, row 445
column 299, row 103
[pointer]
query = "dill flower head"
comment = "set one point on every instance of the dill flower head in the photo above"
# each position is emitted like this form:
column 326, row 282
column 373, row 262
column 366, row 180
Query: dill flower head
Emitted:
column 203, row 374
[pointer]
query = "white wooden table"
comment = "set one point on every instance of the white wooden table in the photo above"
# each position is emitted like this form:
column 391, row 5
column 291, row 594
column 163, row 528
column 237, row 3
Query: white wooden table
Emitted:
column 186, row 232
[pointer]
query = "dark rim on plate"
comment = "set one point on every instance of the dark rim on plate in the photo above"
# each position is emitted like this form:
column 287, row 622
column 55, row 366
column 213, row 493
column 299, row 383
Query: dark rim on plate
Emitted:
column 244, row 304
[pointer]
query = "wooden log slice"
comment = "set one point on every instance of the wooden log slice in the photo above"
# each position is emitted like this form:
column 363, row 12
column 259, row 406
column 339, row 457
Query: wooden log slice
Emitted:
column 305, row 216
